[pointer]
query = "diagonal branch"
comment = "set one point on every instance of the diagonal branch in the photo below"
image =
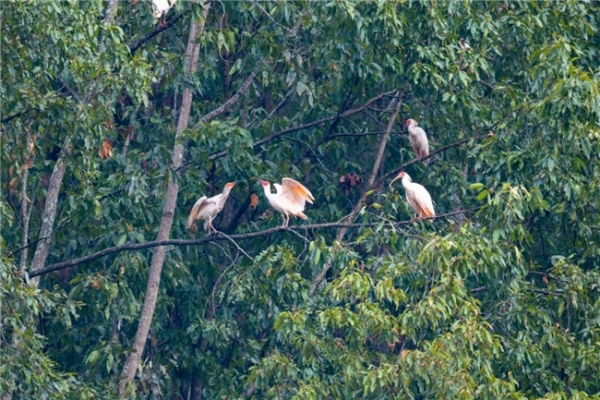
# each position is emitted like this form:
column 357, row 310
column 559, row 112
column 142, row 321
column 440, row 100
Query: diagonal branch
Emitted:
column 213, row 238
column 358, row 206
column 274, row 136
column 134, row 46
column 223, row 107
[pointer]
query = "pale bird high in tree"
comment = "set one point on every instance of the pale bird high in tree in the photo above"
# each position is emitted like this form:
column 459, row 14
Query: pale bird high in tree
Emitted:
column 207, row 208
column 290, row 198
column 161, row 8
column 464, row 45
column 417, row 196
column 418, row 140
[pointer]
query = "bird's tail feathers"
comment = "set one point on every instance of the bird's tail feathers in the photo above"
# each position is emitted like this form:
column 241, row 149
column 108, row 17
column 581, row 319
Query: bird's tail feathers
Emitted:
column 301, row 215
column 190, row 221
column 426, row 212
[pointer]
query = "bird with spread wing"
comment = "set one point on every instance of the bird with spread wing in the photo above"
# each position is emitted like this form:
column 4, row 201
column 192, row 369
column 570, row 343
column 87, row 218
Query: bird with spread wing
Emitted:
column 207, row 208
column 417, row 196
column 290, row 198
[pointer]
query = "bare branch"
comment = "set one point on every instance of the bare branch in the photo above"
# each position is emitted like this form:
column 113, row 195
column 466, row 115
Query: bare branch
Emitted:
column 358, row 206
column 133, row 358
column 223, row 107
column 134, row 46
column 110, row 11
column 219, row 236
column 49, row 215
column 274, row 136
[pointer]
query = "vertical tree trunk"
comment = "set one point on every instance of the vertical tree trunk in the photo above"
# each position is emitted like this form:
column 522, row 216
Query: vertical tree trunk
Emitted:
column 358, row 206
column 25, row 210
column 48, row 216
column 133, row 359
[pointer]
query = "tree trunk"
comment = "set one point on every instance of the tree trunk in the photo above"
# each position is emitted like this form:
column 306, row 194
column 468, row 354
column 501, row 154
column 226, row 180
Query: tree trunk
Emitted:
column 48, row 216
column 133, row 359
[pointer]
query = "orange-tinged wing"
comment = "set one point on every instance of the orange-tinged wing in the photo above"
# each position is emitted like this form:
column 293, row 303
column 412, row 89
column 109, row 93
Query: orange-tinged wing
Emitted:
column 202, row 201
column 296, row 191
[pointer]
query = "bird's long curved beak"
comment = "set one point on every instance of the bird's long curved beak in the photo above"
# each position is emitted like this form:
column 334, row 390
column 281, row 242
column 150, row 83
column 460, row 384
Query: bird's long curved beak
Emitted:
column 393, row 180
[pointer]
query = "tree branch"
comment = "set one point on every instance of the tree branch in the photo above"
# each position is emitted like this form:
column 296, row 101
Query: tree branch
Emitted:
column 223, row 107
column 166, row 222
column 133, row 47
column 358, row 206
column 214, row 238
column 274, row 136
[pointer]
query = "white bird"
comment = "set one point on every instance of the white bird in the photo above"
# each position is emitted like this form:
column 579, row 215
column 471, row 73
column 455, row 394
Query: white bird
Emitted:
column 290, row 198
column 464, row 45
column 418, row 140
column 417, row 196
column 161, row 8
column 208, row 208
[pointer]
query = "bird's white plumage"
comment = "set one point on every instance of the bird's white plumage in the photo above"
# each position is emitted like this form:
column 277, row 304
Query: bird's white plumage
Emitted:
column 207, row 208
column 417, row 196
column 290, row 199
column 161, row 7
column 418, row 140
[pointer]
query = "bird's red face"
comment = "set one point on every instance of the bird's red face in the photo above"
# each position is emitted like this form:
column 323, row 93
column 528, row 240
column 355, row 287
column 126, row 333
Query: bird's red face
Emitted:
column 401, row 174
column 264, row 183
column 408, row 121
column 230, row 185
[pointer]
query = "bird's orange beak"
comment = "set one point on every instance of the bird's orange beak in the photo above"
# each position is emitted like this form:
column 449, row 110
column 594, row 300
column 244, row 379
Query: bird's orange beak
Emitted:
column 400, row 175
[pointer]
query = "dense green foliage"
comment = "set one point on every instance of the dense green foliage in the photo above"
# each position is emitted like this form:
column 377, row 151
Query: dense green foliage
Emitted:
column 499, row 301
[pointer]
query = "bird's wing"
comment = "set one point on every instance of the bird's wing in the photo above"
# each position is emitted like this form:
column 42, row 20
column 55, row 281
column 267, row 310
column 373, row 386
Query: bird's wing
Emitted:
column 423, row 198
column 160, row 5
column 199, row 209
column 295, row 191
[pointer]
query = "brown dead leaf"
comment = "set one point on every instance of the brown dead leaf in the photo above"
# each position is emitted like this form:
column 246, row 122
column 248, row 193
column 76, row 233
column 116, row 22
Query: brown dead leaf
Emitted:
column 13, row 184
column 27, row 163
column 105, row 150
column 95, row 283
column 545, row 279
column 129, row 227
column 253, row 200
column 122, row 269
column 31, row 147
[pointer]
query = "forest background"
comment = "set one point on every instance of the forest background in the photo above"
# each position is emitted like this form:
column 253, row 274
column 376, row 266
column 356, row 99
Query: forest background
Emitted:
column 114, row 123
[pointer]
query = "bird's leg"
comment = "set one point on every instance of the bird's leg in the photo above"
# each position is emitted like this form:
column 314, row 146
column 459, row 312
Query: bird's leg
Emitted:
column 211, row 228
column 285, row 220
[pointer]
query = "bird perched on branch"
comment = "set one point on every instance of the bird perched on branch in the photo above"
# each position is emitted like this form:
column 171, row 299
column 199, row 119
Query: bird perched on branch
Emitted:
column 417, row 196
column 290, row 198
column 161, row 8
column 418, row 140
column 464, row 45
column 207, row 208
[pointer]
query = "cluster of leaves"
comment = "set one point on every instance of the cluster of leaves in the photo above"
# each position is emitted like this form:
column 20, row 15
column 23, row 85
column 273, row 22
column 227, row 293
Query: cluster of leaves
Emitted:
column 499, row 300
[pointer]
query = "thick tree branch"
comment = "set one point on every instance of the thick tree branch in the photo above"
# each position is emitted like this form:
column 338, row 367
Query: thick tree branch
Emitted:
column 274, row 136
column 49, row 215
column 134, row 46
column 214, row 238
column 223, row 107
column 111, row 10
column 358, row 206
column 133, row 359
